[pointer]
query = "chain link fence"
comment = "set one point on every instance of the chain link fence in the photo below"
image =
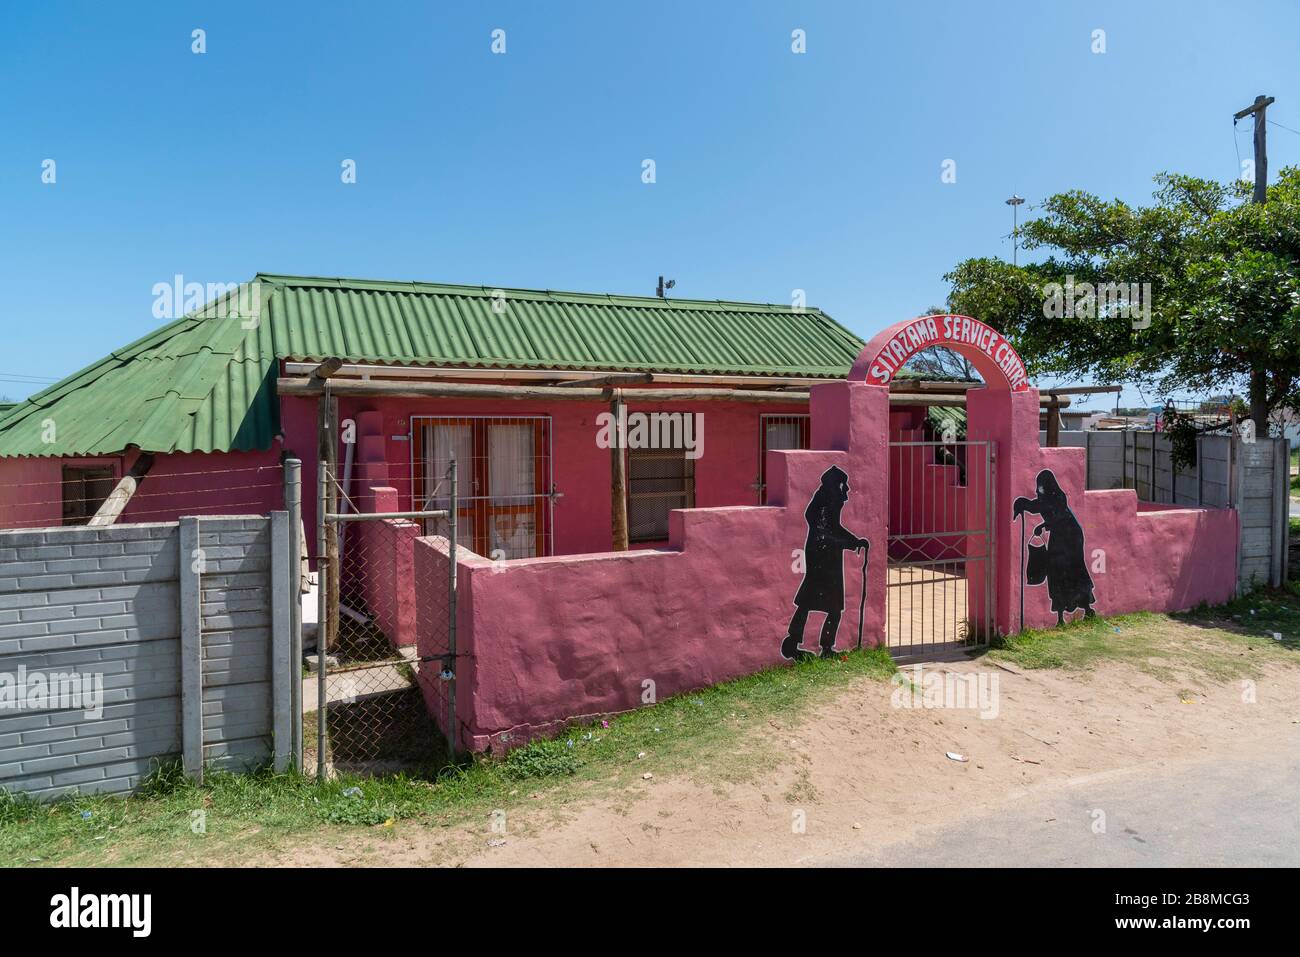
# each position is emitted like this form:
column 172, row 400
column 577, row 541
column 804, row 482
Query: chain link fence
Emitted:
column 367, row 710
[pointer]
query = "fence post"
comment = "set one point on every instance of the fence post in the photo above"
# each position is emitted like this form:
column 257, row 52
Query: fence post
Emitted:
column 1155, row 494
column 1200, row 487
column 1281, row 510
column 322, row 617
column 191, row 564
column 1173, row 476
column 1286, row 510
column 281, row 628
column 452, row 737
column 1234, row 487
column 293, row 503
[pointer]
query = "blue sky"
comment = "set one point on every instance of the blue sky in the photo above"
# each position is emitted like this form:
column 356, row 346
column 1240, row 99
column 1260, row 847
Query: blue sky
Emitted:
column 775, row 171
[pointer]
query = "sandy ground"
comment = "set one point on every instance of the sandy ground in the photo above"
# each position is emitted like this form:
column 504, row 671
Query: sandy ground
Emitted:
column 862, row 775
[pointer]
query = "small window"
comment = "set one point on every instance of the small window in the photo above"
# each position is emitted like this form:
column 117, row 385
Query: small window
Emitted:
column 778, row 432
column 658, row 481
column 84, row 489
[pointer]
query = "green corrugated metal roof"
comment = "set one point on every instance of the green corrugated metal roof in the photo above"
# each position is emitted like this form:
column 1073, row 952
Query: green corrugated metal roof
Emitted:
column 941, row 417
column 207, row 384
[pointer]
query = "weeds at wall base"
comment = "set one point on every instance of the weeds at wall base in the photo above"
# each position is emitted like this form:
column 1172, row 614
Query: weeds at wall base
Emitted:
column 122, row 830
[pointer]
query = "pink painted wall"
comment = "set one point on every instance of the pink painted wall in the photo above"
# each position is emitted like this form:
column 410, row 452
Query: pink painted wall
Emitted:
column 31, row 490
column 552, row 638
column 1165, row 559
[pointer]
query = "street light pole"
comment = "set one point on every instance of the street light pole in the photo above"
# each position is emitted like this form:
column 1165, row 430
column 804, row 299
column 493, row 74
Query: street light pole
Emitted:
column 1014, row 202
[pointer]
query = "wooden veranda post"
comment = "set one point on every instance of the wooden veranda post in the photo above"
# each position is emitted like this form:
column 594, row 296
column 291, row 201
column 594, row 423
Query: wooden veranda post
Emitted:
column 618, row 478
column 1053, row 423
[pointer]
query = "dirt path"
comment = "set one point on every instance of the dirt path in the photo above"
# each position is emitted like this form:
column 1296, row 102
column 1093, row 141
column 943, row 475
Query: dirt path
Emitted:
column 865, row 774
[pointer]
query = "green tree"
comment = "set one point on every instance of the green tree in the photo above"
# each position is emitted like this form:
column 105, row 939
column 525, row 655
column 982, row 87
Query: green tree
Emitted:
column 1200, row 290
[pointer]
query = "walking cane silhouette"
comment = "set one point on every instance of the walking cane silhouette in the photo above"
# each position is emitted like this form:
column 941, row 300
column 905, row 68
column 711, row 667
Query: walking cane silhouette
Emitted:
column 862, row 598
column 1022, row 571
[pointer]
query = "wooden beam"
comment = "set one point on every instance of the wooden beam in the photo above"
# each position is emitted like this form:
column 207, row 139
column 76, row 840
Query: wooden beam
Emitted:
column 724, row 395
column 618, row 480
column 117, row 500
column 427, row 373
column 1082, row 390
column 1053, row 423
column 928, row 385
column 620, row 378
column 325, row 370
column 947, row 401
column 414, row 389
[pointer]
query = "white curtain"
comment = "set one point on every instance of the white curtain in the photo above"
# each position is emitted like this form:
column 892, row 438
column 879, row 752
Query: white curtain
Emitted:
column 512, row 482
column 784, row 433
column 442, row 443
column 510, row 462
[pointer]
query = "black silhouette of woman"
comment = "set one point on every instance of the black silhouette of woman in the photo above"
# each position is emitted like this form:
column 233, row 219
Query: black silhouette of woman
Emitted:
column 823, row 581
column 1068, row 583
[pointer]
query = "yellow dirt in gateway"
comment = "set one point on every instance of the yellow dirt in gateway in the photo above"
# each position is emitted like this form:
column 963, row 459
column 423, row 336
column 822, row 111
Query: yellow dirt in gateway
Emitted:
column 723, row 775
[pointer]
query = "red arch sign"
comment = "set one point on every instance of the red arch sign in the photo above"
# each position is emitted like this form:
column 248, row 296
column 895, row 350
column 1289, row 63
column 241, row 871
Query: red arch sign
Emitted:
column 987, row 349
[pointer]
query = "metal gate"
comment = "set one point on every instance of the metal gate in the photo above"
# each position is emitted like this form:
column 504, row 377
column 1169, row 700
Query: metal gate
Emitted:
column 371, row 684
column 940, row 593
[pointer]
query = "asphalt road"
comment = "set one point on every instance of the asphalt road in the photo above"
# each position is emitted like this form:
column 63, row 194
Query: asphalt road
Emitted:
column 1237, row 811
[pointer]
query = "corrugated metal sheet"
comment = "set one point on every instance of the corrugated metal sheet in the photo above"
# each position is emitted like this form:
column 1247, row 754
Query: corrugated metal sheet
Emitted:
column 944, row 417
column 206, row 384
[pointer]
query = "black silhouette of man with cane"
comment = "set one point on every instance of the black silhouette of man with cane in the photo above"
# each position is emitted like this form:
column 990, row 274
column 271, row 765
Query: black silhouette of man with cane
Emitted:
column 823, row 582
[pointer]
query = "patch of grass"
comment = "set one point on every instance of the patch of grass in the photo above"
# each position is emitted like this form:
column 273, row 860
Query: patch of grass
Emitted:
column 542, row 759
column 1224, row 642
column 1263, row 614
column 244, row 814
column 1080, row 645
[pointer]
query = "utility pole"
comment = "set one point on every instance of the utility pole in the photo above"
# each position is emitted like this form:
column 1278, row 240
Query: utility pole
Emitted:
column 1261, row 104
column 1259, row 377
column 1015, row 202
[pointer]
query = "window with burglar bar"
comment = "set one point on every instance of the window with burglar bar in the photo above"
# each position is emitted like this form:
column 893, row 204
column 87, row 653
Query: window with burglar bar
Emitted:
column 658, row 481
column 779, row 432
column 85, row 489
column 503, row 468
